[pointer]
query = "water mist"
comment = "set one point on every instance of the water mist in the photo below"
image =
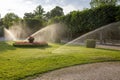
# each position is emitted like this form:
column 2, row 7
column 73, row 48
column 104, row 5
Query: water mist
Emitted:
column 16, row 32
column 108, row 32
column 50, row 33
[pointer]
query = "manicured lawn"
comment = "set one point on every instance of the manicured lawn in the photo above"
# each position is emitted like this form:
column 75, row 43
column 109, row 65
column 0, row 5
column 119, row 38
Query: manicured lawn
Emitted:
column 19, row 63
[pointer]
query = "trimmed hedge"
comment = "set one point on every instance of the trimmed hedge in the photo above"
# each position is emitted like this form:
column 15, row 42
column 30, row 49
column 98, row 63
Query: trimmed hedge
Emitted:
column 81, row 22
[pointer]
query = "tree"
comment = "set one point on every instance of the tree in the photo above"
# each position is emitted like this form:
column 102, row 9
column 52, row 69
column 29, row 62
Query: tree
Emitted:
column 39, row 12
column 54, row 15
column 81, row 22
column 48, row 15
column 29, row 15
column 35, row 20
column 10, row 19
column 97, row 3
column 56, row 12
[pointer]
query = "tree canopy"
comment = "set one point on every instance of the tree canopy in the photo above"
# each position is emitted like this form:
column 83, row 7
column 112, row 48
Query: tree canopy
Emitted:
column 78, row 22
column 39, row 12
column 10, row 19
column 97, row 3
column 35, row 20
column 28, row 15
column 55, row 12
column 81, row 22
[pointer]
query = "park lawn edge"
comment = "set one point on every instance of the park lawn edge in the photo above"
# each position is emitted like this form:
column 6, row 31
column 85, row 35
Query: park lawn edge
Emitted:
column 30, row 77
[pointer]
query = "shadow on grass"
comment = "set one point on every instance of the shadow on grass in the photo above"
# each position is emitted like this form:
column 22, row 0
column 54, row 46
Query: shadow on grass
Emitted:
column 34, row 47
column 4, row 46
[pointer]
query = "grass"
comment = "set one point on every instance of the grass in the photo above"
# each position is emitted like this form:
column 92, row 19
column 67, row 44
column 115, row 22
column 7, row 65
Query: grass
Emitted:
column 20, row 63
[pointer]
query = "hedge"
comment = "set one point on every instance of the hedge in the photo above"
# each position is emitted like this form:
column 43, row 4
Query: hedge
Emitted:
column 81, row 22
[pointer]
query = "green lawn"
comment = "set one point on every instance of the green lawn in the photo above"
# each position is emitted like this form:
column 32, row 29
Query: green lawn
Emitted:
column 20, row 63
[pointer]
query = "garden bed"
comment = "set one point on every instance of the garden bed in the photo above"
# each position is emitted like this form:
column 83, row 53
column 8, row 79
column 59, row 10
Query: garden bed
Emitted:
column 27, row 44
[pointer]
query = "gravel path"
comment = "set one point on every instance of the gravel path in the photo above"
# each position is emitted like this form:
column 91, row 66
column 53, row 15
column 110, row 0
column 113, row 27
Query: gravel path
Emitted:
column 95, row 71
column 109, row 47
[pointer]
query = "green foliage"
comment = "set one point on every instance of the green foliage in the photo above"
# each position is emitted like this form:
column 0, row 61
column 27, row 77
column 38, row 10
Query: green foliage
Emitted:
column 54, row 20
column 39, row 11
column 35, row 20
column 48, row 15
column 90, row 43
column 118, row 13
column 1, row 22
column 80, row 22
column 98, row 3
column 1, row 31
column 33, row 23
column 28, row 15
column 19, row 63
column 55, row 12
column 10, row 19
column 1, row 28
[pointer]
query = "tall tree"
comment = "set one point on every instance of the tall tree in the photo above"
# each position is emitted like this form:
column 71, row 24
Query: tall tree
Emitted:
column 97, row 3
column 56, row 12
column 39, row 12
column 35, row 20
column 10, row 19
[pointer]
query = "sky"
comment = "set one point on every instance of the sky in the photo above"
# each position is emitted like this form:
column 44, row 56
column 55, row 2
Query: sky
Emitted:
column 20, row 7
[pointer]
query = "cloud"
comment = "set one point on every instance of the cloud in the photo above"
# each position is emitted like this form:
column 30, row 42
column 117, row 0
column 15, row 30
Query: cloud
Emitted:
column 19, row 7
column 69, row 8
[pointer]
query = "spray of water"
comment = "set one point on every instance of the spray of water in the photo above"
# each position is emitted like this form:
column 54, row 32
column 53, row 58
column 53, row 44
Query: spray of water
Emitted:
column 100, row 34
column 21, row 32
column 8, row 35
column 50, row 33
column 16, row 32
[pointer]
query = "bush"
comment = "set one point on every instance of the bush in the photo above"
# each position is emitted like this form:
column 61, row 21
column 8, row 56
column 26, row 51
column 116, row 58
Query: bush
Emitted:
column 81, row 22
column 90, row 43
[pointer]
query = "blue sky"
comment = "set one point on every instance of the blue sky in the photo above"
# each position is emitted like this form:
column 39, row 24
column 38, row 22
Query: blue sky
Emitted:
column 19, row 7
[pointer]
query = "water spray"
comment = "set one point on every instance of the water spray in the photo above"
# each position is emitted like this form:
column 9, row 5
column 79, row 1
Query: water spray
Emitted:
column 99, row 35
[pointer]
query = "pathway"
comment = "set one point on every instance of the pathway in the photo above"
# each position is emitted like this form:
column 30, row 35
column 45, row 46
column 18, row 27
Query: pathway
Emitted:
column 95, row 71
column 115, row 47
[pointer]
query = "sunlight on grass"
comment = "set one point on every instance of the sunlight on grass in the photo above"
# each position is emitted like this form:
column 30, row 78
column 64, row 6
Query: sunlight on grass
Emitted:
column 19, row 63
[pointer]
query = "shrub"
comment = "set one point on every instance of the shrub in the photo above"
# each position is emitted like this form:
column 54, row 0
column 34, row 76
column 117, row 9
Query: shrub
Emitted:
column 90, row 43
column 81, row 22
